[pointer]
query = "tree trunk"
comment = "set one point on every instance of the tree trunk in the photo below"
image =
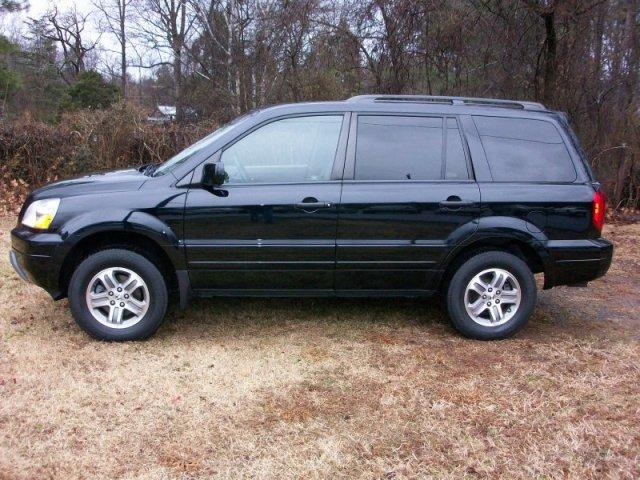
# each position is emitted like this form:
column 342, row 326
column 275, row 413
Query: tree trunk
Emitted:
column 632, row 48
column 623, row 177
column 177, row 84
column 123, row 71
column 593, row 103
column 178, row 46
column 123, row 50
column 550, row 67
column 231, row 69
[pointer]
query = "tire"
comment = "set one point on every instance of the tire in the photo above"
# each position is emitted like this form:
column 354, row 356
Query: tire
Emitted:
column 146, row 298
column 487, row 270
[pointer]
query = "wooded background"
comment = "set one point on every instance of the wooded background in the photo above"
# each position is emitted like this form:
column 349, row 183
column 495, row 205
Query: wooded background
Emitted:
column 73, row 103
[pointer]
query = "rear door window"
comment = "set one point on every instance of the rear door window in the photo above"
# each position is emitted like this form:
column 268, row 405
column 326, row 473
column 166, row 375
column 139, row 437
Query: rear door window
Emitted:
column 524, row 150
column 399, row 148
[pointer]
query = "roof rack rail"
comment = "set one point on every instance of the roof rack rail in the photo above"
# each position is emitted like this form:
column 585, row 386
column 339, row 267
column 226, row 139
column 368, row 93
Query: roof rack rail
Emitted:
column 481, row 102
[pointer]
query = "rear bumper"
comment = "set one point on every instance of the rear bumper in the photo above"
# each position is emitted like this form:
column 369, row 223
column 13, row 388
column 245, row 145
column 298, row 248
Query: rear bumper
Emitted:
column 577, row 261
column 34, row 257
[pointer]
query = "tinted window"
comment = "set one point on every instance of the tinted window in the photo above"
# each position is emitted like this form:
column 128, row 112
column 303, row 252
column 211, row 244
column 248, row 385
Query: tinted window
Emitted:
column 524, row 150
column 289, row 150
column 398, row 148
column 456, row 168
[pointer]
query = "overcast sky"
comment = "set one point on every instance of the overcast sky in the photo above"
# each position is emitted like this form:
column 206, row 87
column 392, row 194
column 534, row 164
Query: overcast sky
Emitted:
column 37, row 8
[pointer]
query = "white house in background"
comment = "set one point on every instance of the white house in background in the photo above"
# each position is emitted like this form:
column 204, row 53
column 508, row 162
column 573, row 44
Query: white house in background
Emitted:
column 167, row 113
column 163, row 114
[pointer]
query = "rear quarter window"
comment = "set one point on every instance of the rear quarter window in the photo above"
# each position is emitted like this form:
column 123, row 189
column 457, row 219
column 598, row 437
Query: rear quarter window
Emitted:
column 524, row 150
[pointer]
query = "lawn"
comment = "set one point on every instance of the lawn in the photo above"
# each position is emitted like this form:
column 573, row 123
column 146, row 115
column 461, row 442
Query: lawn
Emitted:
column 324, row 388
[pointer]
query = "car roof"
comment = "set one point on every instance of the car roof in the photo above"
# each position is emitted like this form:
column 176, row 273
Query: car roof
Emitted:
column 413, row 104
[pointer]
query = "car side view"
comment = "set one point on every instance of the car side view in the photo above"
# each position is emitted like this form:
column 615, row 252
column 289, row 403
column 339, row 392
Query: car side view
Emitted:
column 377, row 195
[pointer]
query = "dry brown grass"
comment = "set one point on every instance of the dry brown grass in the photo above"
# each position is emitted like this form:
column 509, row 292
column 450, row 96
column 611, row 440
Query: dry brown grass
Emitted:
column 326, row 388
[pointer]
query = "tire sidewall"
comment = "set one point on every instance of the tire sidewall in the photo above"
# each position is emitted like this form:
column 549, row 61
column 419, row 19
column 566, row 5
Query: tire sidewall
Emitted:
column 457, row 287
column 118, row 258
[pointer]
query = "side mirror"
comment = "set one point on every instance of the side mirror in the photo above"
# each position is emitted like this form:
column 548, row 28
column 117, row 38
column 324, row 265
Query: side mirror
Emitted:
column 213, row 175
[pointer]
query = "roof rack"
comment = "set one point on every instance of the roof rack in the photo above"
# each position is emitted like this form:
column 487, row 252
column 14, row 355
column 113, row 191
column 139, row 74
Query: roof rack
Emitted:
column 480, row 102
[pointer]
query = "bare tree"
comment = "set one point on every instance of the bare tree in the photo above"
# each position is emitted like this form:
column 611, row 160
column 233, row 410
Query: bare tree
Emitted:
column 217, row 36
column 67, row 30
column 627, row 70
column 165, row 25
column 115, row 17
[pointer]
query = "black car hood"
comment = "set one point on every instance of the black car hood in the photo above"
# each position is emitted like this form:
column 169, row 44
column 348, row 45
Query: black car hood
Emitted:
column 114, row 181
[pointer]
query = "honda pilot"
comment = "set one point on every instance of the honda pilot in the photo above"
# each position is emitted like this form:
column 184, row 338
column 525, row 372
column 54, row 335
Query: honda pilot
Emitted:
column 375, row 196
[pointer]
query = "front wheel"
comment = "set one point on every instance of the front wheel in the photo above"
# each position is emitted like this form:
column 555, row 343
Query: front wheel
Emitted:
column 118, row 295
column 491, row 296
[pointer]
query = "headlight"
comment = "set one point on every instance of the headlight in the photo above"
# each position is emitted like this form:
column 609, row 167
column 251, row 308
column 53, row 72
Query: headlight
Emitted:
column 40, row 213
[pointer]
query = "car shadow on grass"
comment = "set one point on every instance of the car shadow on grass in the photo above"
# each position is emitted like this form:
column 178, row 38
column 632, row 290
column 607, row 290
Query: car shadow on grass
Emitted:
column 264, row 315
column 216, row 317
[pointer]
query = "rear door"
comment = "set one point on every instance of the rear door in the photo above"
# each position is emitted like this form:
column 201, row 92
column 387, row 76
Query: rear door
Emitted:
column 407, row 195
column 272, row 226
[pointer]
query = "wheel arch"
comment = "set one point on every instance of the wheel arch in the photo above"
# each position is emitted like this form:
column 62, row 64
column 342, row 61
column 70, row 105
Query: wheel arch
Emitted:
column 495, row 233
column 137, row 231
column 128, row 240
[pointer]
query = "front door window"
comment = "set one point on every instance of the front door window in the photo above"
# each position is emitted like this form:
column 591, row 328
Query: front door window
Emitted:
column 291, row 150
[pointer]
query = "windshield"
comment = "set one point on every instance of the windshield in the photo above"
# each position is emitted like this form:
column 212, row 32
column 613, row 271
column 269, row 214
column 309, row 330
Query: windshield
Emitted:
column 179, row 158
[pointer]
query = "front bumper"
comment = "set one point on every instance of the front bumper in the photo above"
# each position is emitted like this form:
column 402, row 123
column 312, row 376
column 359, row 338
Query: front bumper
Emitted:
column 35, row 258
column 575, row 262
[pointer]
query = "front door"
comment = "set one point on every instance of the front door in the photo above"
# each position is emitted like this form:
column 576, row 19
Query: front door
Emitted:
column 272, row 226
column 407, row 196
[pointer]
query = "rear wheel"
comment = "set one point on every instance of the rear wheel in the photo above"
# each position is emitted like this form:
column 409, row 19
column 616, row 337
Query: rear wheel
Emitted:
column 491, row 296
column 118, row 295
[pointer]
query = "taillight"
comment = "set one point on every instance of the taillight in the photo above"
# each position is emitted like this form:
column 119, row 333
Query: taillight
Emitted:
column 599, row 205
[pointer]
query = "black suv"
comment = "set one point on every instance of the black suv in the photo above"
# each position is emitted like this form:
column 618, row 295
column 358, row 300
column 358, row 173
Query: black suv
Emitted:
column 373, row 196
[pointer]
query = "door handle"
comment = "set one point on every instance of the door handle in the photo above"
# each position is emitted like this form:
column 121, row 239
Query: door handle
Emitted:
column 312, row 205
column 454, row 203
